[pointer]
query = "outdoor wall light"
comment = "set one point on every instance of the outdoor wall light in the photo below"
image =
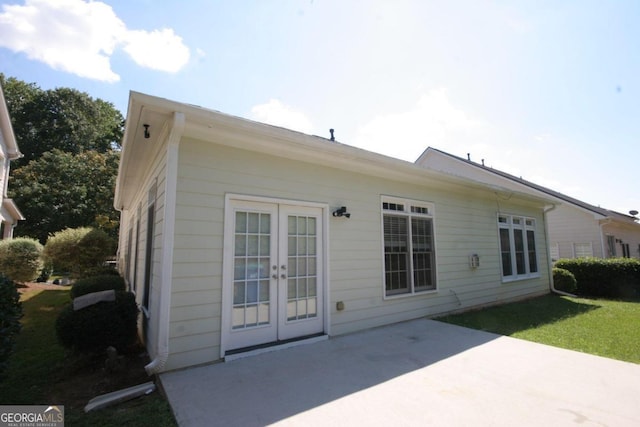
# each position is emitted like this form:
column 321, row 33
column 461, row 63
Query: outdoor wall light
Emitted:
column 342, row 212
column 146, row 131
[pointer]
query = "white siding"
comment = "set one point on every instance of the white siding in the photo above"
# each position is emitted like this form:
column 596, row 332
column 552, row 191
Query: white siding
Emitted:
column 129, row 217
column 569, row 225
column 465, row 222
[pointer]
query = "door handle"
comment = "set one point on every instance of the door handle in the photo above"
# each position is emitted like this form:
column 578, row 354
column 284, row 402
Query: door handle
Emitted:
column 283, row 276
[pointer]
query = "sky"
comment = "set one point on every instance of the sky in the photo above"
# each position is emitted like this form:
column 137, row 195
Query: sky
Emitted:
column 545, row 90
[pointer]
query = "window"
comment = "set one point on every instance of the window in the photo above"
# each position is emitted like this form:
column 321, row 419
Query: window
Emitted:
column 148, row 260
column 611, row 245
column 409, row 252
column 626, row 252
column 583, row 250
column 518, row 255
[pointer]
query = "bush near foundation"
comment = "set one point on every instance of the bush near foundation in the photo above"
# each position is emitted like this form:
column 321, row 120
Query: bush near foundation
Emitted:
column 10, row 314
column 94, row 328
column 564, row 280
column 20, row 259
column 89, row 285
column 608, row 278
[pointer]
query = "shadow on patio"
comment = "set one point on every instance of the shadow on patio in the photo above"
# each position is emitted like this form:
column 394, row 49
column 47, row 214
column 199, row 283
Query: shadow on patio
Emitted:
column 271, row 387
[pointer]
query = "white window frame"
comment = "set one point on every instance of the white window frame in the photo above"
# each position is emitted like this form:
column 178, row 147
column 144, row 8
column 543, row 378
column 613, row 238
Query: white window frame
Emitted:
column 408, row 208
column 511, row 223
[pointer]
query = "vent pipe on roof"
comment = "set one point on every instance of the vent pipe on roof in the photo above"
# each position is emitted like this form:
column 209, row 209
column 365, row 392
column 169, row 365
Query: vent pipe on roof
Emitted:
column 332, row 137
column 469, row 156
column 482, row 162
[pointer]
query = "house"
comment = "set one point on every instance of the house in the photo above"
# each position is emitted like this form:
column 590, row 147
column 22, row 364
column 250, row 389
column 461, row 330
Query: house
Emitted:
column 576, row 229
column 236, row 234
column 9, row 212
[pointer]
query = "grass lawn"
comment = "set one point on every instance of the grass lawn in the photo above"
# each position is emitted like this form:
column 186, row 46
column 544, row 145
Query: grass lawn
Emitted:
column 41, row 372
column 602, row 327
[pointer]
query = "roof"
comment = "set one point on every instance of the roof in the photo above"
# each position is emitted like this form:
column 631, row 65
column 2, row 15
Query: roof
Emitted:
column 210, row 125
column 606, row 213
column 12, row 150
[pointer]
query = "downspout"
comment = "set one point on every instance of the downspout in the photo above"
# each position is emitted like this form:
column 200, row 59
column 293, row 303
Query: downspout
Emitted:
column 168, row 231
column 549, row 260
column 602, row 223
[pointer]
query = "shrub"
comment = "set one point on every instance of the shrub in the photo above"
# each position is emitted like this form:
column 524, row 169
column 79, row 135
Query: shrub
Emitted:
column 78, row 250
column 10, row 314
column 564, row 280
column 104, row 270
column 20, row 259
column 96, row 284
column 609, row 278
column 94, row 328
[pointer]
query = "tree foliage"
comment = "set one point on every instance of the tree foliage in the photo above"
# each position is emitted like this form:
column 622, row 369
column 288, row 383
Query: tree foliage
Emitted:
column 61, row 190
column 77, row 250
column 62, row 118
column 20, row 259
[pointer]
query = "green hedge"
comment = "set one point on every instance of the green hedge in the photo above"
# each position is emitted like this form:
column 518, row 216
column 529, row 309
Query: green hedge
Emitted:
column 609, row 278
column 564, row 280
column 94, row 328
column 96, row 284
column 10, row 314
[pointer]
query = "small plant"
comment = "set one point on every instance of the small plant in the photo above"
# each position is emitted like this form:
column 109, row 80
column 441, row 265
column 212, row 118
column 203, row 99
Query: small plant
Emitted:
column 94, row 328
column 20, row 259
column 564, row 280
column 96, row 284
column 78, row 250
column 10, row 314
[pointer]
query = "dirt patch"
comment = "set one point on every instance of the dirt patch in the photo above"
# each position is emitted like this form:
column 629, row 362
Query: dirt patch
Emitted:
column 83, row 377
column 80, row 378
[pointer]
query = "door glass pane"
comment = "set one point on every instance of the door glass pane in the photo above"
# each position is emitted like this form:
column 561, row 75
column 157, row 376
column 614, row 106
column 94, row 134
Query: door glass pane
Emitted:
column 252, row 260
column 241, row 222
column 302, row 264
column 238, row 293
column 253, row 222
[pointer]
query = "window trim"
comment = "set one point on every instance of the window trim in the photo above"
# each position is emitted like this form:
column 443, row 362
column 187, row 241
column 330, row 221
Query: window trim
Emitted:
column 525, row 224
column 411, row 208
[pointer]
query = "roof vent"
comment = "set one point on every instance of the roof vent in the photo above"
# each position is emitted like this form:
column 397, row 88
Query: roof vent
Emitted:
column 333, row 138
column 633, row 212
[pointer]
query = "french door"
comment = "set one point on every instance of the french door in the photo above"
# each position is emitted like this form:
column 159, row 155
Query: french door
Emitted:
column 274, row 273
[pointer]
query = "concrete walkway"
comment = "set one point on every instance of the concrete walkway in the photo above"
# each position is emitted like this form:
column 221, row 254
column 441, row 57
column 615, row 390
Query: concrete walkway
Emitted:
column 418, row 373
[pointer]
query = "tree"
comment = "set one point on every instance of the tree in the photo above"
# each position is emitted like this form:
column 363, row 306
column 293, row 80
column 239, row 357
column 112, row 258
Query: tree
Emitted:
column 62, row 190
column 61, row 118
column 20, row 259
column 77, row 250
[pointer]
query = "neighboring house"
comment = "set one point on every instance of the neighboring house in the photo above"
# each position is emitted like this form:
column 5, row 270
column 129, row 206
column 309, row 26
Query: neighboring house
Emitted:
column 236, row 234
column 576, row 229
column 9, row 212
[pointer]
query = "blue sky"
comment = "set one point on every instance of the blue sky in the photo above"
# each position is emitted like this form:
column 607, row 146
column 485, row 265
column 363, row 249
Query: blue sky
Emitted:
column 546, row 90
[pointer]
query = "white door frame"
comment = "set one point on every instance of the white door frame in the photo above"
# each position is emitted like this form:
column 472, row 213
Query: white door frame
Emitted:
column 228, row 256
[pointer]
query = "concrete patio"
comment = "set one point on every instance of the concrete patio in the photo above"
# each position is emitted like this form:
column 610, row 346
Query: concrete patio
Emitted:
column 416, row 373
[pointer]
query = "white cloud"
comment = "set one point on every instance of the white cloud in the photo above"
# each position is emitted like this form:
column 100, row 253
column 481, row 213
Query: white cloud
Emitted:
column 276, row 113
column 79, row 37
column 434, row 121
column 151, row 49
